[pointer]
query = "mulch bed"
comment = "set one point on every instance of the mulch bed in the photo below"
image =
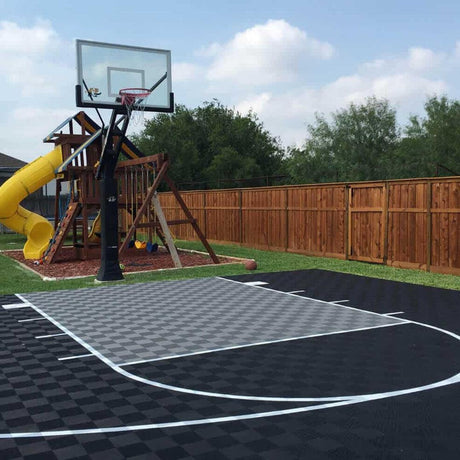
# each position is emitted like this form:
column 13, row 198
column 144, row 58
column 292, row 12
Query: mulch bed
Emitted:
column 134, row 260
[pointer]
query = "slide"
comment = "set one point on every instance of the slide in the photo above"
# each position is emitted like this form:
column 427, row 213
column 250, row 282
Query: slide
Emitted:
column 24, row 182
column 125, row 220
column 95, row 233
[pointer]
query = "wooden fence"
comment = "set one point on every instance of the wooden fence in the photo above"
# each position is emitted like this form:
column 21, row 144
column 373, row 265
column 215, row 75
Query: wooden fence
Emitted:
column 412, row 223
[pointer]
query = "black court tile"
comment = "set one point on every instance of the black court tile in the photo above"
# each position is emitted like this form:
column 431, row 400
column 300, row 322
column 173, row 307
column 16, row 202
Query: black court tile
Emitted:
column 9, row 300
column 39, row 392
column 371, row 361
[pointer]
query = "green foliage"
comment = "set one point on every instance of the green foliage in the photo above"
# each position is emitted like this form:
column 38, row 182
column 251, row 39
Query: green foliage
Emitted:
column 359, row 143
column 431, row 145
column 211, row 144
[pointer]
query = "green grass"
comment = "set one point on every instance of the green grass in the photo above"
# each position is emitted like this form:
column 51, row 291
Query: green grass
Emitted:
column 16, row 279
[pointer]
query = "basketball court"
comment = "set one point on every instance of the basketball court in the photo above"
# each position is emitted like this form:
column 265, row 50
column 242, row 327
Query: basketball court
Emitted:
column 304, row 364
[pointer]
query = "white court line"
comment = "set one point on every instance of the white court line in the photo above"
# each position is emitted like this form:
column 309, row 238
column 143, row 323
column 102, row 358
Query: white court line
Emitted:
column 118, row 429
column 13, row 306
column 255, row 283
column 30, row 319
column 50, row 335
column 151, row 426
column 256, row 344
column 393, row 313
column 164, row 386
column 333, row 402
column 295, row 292
column 66, row 358
column 339, row 301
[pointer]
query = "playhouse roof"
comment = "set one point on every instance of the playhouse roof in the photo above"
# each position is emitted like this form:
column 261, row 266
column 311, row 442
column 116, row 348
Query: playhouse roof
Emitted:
column 8, row 162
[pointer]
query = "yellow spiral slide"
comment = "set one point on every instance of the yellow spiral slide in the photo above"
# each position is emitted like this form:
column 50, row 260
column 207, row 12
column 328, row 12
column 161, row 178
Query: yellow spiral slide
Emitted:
column 24, row 182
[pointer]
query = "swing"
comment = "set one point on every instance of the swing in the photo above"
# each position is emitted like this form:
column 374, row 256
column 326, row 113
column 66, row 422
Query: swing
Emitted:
column 131, row 189
column 139, row 186
column 152, row 247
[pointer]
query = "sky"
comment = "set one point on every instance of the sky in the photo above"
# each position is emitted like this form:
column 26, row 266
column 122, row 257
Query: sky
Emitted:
column 284, row 60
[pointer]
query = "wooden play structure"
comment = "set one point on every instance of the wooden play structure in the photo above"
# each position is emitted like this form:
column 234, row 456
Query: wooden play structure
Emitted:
column 140, row 216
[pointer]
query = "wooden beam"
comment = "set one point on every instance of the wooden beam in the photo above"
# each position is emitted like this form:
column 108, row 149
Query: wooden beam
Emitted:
column 158, row 158
column 165, row 230
column 189, row 216
column 169, row 222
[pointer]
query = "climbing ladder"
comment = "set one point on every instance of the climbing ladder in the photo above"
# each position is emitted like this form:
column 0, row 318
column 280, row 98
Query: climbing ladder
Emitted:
column 61, row 232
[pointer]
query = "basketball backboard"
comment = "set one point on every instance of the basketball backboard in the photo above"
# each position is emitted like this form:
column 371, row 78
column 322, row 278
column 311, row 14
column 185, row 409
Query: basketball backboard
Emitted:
column 103, row 69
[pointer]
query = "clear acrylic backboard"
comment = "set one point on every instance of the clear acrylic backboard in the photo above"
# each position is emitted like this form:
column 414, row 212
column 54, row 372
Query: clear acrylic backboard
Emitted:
column 103, row 69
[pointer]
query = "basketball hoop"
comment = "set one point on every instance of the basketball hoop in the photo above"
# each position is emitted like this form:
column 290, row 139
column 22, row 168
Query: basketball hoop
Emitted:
column 133, row 99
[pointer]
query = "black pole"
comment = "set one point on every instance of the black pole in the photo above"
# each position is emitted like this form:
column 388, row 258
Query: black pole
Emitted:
column 110, row 265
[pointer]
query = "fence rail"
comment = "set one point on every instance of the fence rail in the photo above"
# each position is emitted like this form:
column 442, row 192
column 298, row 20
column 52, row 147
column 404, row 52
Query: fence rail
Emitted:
column 413, row 223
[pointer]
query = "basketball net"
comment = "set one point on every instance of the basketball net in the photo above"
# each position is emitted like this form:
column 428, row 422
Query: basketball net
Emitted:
column 134, row 101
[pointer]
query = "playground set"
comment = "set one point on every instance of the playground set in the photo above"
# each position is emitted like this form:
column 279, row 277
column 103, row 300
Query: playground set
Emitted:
column 112, row 201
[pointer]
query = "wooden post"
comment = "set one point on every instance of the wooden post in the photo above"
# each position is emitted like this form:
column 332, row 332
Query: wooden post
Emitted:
column 190, row 218
column 429, row 235
column 165, row 230
column 286, row 207
column 205, row 214
column 240, row 215
column 347, row 221
column 386, row 221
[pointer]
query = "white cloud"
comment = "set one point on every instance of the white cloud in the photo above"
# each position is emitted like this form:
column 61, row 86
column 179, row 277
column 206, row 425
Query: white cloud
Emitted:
column 32, row 60
column 33, row 41
column 22, row 130
column 264, row 54
column 417, row 60
column 421, row 59
column 184, row 71
column 211, row 50
column 263, row 68
column 35, row 115
column 405, row 81
column 457, row 50
column 251, row 70
column 37, row 77
column 255, row 103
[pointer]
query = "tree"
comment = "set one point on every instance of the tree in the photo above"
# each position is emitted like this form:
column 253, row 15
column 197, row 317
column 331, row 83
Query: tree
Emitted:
column 358, row 143
column 212, row 143
column 431, row 145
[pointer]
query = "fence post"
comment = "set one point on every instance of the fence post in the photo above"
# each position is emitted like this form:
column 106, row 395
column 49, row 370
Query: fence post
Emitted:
column 286, row 210
column 347, row 223
column 386, row 220
column 429, row 196
column 240, row 213
column 205, row 218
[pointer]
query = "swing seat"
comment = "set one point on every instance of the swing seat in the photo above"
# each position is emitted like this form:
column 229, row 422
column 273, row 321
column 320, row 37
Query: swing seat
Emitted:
column 152, row 247
column 140, row 244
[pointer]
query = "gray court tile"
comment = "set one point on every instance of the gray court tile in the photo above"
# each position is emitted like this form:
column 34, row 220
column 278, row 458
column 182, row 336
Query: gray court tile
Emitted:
column 147, row 321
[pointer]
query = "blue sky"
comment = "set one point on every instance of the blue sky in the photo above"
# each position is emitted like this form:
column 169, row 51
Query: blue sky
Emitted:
column 285, row 60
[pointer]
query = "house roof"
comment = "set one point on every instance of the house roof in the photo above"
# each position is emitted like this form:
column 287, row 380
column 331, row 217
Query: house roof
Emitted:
column 7, row 162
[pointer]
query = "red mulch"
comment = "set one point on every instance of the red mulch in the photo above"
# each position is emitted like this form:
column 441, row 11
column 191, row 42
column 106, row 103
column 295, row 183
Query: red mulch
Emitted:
column 134, row 260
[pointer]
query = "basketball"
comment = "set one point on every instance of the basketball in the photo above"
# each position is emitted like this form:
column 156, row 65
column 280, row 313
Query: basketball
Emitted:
column 250, row 265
